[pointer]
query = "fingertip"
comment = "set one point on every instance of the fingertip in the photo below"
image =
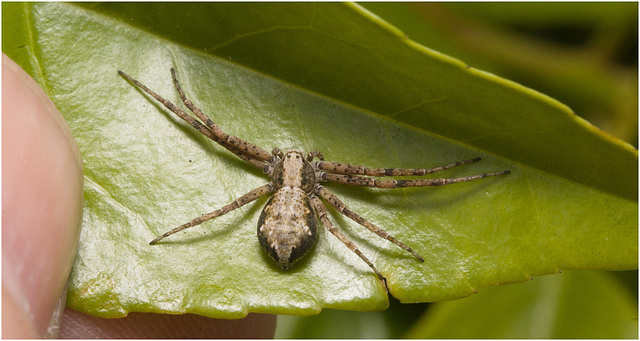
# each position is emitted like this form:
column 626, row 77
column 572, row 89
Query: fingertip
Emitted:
column 42, row 189
column 15, row 321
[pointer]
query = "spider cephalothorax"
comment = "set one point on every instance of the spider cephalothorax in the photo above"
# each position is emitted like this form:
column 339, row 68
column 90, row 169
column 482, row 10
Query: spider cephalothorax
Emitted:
column 288, row 225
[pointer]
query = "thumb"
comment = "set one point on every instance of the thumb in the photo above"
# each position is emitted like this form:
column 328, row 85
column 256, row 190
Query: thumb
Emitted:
column 41, row 204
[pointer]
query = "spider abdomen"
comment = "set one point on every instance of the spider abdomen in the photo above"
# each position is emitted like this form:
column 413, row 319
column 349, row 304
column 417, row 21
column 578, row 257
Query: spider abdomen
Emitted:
column 287, row 228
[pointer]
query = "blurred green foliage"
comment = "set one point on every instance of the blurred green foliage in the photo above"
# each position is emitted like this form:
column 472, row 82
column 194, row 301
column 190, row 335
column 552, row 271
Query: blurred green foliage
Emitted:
column 586, row 56
column 574, row 304
column 583, row 54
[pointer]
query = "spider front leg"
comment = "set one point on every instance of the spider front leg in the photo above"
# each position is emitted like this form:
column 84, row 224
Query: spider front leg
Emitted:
column 342, row 208
column 348, row 169
column 356, row 180
column 322, row 214
column 241, row 201
column 221, row 139
column 249, row 148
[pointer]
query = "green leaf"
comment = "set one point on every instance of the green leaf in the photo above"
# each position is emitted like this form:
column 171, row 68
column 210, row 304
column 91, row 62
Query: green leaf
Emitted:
column 328, row 77
column 553, row 307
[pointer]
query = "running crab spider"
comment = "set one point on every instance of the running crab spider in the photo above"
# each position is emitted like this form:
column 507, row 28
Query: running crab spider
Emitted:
column 287, row 228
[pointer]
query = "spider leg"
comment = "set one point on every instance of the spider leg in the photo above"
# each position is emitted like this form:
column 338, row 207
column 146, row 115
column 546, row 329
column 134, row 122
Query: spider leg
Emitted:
column 248, row 148
column 342, row 208
column 241, row 201
column 194, row 123
column 313, row 154
column 322, row 214
column 356, row 180
column 347, row 169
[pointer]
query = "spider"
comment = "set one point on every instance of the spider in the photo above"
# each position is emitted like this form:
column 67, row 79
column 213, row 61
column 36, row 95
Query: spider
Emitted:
column 288, row 224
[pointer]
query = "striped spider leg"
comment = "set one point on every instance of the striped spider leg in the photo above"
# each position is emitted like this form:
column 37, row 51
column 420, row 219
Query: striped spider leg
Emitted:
column 355, row 175
column 248, row 152
column 287, row 227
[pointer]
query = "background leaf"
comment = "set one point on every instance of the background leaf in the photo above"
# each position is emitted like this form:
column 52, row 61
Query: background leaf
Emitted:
column 329, row 77
column 574, row 304
column 545, row 308
column 582, row 54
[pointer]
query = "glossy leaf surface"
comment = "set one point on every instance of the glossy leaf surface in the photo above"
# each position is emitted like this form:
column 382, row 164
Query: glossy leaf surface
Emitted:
column 328, row 77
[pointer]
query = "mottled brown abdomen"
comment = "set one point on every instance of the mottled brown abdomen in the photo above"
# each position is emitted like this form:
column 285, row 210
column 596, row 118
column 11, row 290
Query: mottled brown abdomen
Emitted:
column 287, row 228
